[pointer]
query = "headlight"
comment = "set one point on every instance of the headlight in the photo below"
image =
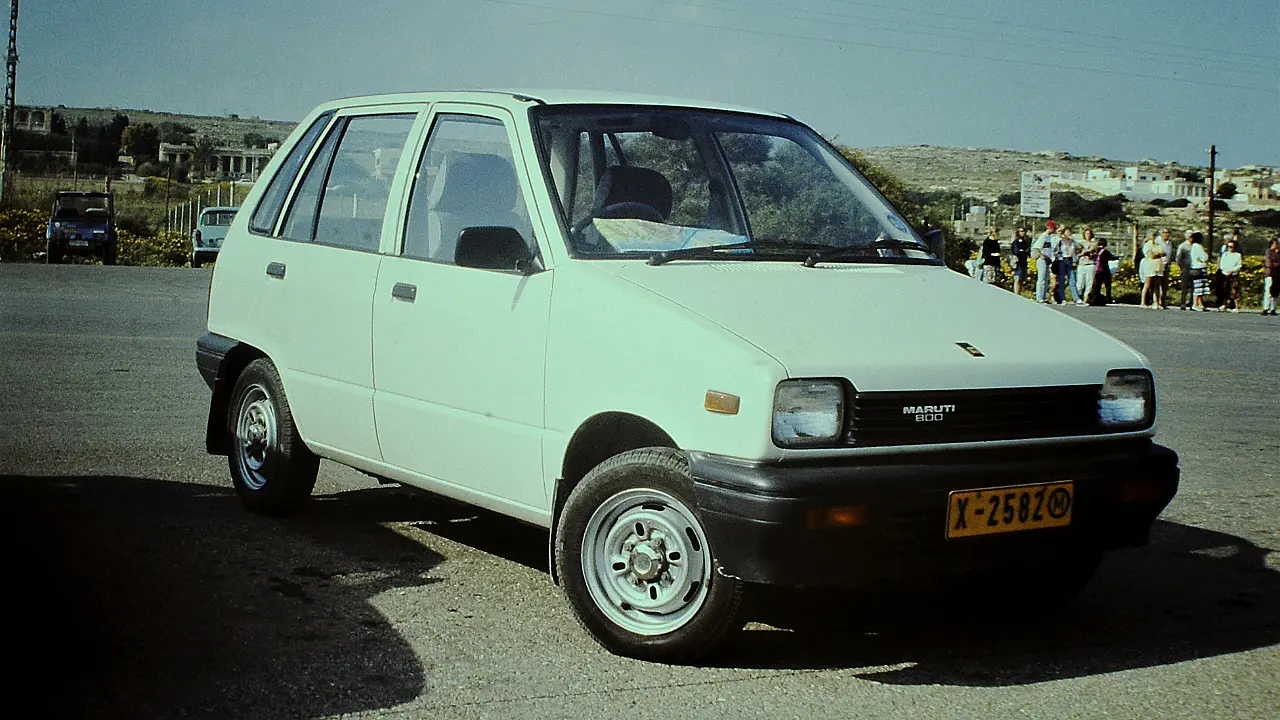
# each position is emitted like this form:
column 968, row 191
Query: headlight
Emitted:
column 807, row 412
column 1127, row 400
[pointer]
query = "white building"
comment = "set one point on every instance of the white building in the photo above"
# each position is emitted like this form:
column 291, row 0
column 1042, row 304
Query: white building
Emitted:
column 237, row 163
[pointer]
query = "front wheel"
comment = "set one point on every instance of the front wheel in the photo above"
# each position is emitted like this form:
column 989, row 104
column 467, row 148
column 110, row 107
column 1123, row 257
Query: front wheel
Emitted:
column 272, row 469
column 635, row 564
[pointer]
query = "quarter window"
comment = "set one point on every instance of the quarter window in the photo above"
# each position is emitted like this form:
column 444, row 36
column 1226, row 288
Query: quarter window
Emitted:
column 268, row 210
column 466, row 178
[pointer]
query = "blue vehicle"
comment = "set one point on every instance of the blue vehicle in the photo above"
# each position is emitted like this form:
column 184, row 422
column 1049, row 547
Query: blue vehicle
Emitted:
column 82, row 223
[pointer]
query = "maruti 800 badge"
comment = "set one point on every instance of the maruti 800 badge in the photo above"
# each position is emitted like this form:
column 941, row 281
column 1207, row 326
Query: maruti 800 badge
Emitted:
column 928, row 413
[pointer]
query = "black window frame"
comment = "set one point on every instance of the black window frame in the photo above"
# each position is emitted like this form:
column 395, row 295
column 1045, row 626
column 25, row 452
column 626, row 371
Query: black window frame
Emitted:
column 285, row 178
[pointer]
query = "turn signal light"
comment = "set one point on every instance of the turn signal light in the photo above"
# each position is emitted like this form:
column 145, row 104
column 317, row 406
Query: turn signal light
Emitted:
column 721, row 402
column 848, row 516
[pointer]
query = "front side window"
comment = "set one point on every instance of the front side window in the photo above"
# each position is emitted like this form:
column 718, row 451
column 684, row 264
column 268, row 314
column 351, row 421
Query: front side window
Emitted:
column 465, row 178
column 659, row 179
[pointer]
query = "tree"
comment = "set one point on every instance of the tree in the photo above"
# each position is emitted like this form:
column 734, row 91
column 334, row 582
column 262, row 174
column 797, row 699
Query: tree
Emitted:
column 1227, row 190
column 1012, row 198
column 142, row 141
column 176, row 133
column 116, row 127
column 203, row 154
column 258, row 140
column 58, row 124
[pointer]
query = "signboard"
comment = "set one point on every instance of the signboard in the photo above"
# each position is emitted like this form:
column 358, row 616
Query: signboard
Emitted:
column 1035, row 193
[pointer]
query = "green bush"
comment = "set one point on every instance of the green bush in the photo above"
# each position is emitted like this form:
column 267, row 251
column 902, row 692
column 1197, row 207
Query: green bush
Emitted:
column 164, row 249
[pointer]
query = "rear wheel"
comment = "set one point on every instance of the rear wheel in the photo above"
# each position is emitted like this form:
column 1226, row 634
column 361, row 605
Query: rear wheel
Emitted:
column 53, row 254
column 195, row 260
column 635, row 564
column 109, row 255
column 272, row 469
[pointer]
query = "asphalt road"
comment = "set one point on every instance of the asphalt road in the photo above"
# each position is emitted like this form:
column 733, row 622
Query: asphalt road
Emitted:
column 135, row 585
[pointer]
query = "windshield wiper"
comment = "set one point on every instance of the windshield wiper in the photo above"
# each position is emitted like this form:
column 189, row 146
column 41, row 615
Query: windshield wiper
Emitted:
column 882, row 244
column 667, row 256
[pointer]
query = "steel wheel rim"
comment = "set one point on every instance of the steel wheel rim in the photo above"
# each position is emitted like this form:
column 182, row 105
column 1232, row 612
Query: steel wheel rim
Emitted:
column 646, row 562
column 255, row 436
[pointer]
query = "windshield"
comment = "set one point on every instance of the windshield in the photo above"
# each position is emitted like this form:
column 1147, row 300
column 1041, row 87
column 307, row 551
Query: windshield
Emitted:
column 218, row 218
column 635, row 181
column 81, row 206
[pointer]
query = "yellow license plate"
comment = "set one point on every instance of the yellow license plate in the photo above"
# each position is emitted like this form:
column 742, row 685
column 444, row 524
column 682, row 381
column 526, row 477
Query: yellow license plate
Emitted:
column 1009, row 509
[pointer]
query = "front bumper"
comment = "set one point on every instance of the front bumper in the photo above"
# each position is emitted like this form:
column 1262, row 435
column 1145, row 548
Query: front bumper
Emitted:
column 81, row 245
column 756, row 513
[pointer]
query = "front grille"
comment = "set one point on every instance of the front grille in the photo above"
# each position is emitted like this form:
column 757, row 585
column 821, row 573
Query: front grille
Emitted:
column 949, row 416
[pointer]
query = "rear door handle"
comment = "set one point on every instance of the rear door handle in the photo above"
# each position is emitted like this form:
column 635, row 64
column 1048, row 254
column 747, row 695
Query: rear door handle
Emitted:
column 404, row 291
column 276, row 270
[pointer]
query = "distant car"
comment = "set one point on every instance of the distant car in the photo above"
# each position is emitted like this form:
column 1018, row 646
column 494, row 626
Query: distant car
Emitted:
column 81, row 223
column 206, row 239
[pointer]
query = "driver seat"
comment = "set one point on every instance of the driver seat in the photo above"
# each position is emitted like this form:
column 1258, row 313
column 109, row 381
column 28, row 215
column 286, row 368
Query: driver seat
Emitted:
column 632, row 192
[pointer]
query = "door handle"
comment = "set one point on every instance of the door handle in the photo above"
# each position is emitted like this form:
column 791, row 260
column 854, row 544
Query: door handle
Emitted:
column 276, row 270
column 404, row 291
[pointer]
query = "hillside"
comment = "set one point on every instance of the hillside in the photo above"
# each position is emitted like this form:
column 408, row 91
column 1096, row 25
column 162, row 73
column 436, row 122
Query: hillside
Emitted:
column 978, row 172
column 229, row 131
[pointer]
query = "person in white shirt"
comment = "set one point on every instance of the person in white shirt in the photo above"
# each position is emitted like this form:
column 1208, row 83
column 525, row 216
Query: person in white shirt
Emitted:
column 1043, row 250
column 1199, row 270
column 1229, row 264
column 1153, row 257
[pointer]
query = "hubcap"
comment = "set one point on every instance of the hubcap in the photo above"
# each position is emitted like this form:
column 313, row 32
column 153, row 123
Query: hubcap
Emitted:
column 645, row 560
column 255, row 436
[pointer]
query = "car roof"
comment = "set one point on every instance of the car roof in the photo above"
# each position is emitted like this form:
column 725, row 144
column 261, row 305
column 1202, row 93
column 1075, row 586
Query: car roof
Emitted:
column 215, row 209
column 514, row 99
column 82, row 193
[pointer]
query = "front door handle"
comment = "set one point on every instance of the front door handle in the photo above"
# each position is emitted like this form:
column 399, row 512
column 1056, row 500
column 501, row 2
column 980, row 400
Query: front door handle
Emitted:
column 276, row 270
column 404, row 291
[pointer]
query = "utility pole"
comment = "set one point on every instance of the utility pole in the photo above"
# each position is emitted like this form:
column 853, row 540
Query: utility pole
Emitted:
column 10, row 79
column 168, row 174
column 1213, row 154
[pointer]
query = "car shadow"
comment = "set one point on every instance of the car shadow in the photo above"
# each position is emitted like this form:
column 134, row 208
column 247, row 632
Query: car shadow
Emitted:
column 1191, row 593
column 137, row 597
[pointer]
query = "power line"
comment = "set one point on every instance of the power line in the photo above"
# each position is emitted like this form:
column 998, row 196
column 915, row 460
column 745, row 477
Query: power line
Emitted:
column 1036, row 28
column 882, row 46
column 956, row 34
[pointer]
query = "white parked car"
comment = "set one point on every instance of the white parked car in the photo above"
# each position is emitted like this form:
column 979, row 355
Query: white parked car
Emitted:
column 211, row 229
column 689, row 340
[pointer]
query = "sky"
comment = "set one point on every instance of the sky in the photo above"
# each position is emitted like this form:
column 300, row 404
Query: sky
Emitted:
column 1117, row 78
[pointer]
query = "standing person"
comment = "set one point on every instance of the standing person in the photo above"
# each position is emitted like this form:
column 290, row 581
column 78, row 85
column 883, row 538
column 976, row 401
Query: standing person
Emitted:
column 1020, row 251
column 1165, row 240
column 1229, row 264
column 1199, row 270
column 1183, row 257
column 1101, row 275
column 1145, row 265
column 1068, row 248
column 1271, row 285
column 1085, row 266
column 1153, row 286
column 991, row 258
column 1043, row 251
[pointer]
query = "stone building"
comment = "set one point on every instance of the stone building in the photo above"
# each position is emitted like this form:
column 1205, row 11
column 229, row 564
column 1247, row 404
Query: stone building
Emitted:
column 239, row 163
column 33, row 119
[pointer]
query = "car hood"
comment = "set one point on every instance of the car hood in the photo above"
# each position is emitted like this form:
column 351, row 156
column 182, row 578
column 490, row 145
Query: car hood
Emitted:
column 889, row 327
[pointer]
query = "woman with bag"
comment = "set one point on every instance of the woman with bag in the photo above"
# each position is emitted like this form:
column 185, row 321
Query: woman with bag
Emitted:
column 1101, row 275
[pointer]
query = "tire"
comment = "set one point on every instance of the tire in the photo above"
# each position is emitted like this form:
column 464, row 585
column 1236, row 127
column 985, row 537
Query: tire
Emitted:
column 53, row 254
column 272, row 469
column 109, row 255
column 195, row 261
column 634, row 562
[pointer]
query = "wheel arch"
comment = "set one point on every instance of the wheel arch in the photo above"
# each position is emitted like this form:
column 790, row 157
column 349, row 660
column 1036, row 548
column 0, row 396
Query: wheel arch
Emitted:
column 229, row 369
column 597, row 439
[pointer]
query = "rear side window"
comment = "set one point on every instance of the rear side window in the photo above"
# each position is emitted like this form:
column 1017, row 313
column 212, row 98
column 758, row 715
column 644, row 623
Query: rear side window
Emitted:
column 343, row 195
column 268, row 210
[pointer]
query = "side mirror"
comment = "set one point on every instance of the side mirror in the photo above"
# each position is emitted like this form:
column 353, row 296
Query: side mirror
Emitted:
column 491, row 247
column 936, row 240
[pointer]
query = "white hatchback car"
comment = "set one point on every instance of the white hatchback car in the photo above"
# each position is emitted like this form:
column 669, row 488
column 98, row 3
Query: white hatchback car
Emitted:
column 689, row 340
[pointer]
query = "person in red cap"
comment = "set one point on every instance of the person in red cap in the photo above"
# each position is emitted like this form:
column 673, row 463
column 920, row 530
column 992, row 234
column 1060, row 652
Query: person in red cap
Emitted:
column 1044, row 250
